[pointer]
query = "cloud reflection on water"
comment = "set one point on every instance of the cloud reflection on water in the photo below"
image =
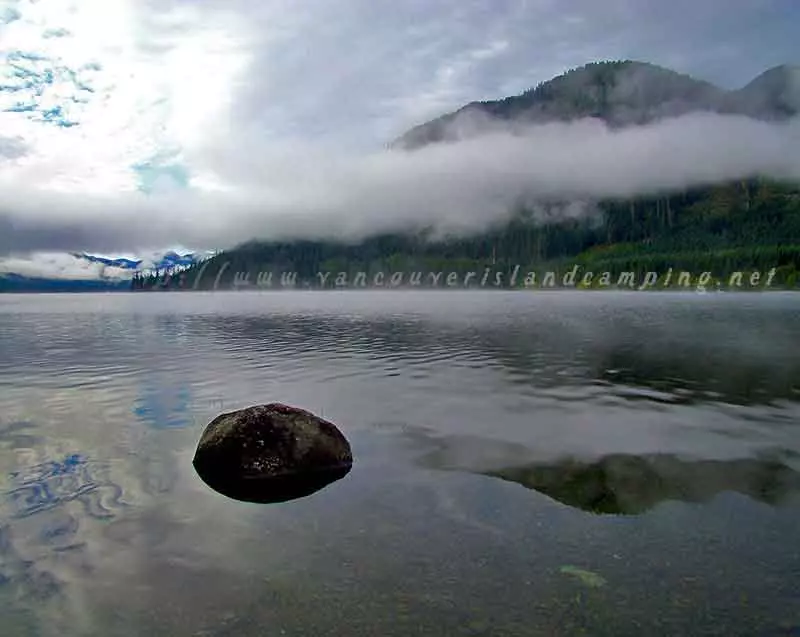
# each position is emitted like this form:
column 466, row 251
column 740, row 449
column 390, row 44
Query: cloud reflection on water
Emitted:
column 485, row 384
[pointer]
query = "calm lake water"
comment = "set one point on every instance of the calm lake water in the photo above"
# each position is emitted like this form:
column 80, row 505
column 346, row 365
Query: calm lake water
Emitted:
column 548, row 463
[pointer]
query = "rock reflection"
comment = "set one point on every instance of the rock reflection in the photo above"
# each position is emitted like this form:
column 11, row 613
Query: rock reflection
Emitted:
column 275, row 490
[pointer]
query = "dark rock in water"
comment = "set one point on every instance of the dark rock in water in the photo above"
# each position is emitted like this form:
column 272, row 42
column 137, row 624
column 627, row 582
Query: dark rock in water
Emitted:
column 271, row 453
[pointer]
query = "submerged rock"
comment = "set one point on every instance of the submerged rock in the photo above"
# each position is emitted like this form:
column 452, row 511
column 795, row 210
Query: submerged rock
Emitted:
column 588, row 578
column 271, row 453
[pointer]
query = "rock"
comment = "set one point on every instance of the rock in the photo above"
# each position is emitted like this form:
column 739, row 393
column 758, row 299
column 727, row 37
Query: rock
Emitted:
column 271, row 453
column 588, row 578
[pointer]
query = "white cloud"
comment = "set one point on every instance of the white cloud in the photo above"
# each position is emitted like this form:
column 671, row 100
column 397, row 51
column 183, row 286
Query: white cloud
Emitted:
column 61, row 266
column 245, row 118
column 135, row 86
column 278, row 192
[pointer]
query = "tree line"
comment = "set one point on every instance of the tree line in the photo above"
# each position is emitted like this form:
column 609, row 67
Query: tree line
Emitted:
column 752, row 224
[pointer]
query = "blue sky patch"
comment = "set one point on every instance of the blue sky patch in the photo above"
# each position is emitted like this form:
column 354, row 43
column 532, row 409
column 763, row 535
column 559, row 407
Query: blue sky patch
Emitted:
column 159, row 172
column 163, row 406
column 34, row 75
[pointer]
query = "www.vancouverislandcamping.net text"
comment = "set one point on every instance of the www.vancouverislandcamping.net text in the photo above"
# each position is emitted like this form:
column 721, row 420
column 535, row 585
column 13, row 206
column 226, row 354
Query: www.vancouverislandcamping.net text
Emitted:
column 516, row 277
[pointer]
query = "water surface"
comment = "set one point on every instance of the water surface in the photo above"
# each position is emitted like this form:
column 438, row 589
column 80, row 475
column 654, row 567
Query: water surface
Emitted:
column 525, row 464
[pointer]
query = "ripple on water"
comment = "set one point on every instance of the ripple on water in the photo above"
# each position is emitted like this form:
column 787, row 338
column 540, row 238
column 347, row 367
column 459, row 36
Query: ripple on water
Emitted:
column 508, row 398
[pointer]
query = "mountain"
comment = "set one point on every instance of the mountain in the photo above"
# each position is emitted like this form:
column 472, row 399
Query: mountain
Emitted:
column 621, row 93
column 745, row 225
column 121, row 263
column 81, row 272
column 742, row 226
column 774, row 93
column 166, row 261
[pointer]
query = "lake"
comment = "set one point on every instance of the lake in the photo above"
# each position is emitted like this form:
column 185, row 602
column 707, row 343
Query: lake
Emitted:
column 526, row 463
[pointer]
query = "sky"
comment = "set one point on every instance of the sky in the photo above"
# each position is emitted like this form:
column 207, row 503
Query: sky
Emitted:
column 131, row 126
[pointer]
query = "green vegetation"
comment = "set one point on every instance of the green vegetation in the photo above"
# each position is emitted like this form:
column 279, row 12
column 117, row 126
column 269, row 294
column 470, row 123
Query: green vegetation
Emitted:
column 752, row 225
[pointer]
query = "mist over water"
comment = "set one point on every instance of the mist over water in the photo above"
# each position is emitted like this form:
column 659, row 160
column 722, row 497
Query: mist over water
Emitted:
column 303, row 191
column 501, row 441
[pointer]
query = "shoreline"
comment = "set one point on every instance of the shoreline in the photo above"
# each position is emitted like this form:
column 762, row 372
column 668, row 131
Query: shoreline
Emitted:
column 254, row 289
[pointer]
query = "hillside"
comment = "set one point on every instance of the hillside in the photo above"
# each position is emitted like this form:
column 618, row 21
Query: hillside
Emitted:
column 748, row 225
column 622, row 93
column 753, row 224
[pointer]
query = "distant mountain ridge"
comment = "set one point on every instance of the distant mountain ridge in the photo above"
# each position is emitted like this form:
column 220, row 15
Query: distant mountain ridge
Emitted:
column 122, row 271
column 621, row 93
column 167, row 261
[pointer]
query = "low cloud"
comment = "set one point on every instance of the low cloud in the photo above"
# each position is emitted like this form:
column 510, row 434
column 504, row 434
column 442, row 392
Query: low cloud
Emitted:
column 245, row 192
column 60, row 266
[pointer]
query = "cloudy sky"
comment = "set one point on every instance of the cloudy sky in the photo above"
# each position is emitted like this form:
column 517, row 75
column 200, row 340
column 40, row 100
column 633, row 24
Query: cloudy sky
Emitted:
column 128, row 125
